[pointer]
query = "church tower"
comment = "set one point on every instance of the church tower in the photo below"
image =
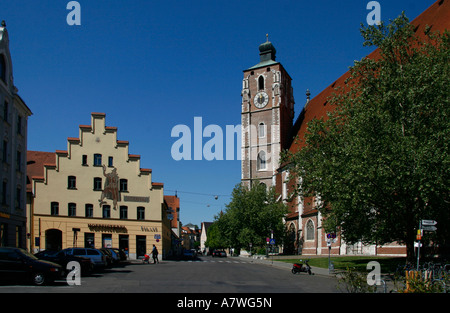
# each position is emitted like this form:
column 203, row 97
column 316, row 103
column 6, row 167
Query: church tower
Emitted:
column 267, row 117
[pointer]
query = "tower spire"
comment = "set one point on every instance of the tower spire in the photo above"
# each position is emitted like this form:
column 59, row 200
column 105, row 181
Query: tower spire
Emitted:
column 267, row 50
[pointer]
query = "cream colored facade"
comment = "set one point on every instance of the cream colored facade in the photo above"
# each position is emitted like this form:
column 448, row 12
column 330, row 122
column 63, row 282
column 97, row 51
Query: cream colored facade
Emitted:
column 66, row 204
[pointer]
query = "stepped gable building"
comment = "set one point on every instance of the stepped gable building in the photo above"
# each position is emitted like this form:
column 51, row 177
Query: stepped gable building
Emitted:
column 13, row 126
column 268, row 127
column 95, row 194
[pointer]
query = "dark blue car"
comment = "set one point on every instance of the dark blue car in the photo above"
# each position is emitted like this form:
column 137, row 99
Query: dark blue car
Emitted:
column 19, row 265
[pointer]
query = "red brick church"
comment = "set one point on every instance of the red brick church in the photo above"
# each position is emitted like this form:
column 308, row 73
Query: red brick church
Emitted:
column 269, row 126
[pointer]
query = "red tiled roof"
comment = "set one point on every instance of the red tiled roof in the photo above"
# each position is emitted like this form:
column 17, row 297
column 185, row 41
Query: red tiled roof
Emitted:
column 437, row 16
column 35, row 164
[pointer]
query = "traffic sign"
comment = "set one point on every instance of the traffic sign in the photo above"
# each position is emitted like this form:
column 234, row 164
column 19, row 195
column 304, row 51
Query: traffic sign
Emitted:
column 428, row 222
column 429, row 228
column 272, row 241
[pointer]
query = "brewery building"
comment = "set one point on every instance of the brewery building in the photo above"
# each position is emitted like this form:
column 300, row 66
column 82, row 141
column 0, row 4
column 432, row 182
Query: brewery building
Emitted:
column 95, row 194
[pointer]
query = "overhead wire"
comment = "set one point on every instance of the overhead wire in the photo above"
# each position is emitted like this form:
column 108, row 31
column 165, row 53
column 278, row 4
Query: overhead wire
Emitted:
column 198, row 193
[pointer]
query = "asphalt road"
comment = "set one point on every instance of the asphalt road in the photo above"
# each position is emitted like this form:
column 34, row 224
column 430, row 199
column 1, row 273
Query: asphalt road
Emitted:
column 232, row 275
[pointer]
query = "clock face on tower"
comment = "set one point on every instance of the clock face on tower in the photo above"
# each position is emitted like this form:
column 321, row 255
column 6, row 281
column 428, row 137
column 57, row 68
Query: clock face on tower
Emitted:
column 261, row 99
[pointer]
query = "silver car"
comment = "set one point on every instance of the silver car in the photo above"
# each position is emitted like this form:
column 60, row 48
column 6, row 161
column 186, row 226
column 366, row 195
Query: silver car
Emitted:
column 96, row 256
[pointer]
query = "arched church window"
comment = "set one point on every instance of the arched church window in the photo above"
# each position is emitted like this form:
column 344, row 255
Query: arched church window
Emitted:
column 261, row 130
column 310, row 230
column 261, row 162
column 292, row 232
column 261, row 82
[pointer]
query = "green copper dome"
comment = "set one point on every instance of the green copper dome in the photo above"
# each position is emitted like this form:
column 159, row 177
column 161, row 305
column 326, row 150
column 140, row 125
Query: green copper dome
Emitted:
column 267, row 51
column 266, row 54
column 267, row 47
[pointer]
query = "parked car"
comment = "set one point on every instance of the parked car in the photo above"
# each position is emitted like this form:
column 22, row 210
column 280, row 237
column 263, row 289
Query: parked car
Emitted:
column 19, row 264
column 118, row 255
column 188, row 254
column 97, row 257
column 219, row 253
column 108, row 256
column 59, row 257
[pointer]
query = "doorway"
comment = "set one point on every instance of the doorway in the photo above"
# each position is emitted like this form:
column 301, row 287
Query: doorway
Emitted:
column 141, row 246
column 53, row 239
column 123, row 244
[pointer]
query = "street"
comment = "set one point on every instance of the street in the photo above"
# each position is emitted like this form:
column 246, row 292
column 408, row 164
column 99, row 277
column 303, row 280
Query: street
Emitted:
column 204, row 275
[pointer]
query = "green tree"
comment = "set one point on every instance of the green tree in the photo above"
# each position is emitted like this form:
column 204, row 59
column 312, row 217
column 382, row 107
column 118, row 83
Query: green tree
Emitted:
column 251, row 216
column 380, row 159
column 215, row 238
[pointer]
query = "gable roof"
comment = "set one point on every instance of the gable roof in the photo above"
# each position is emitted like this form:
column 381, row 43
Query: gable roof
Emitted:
column 205, row 227
column 36, row 160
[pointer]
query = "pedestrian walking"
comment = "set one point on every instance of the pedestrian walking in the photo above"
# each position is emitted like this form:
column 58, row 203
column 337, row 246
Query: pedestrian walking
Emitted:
column 155, row 255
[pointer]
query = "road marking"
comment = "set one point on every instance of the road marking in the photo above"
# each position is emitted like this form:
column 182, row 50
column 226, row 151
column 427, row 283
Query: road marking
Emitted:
column 217, row 261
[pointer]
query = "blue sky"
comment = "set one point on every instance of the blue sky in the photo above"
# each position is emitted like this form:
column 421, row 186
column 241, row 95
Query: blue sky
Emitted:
column 151, row 65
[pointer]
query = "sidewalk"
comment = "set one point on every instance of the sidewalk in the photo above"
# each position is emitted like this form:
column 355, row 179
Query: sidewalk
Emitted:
column 317, row 271
column 276, row 263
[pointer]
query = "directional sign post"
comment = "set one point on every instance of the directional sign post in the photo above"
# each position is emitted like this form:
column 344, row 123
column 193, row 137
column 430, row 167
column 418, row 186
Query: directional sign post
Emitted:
column 272, row 243
column 429, row 228
column 330, row 239
column 427, row 225
column 418, row 245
